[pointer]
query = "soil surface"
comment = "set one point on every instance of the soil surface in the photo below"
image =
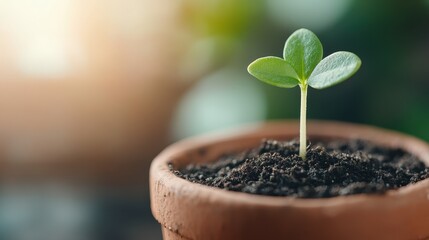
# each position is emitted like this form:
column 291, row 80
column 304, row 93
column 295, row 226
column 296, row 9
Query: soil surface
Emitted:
column 331, row 169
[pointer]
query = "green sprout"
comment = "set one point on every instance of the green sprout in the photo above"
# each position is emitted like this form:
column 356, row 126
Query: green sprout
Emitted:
column 302, row 65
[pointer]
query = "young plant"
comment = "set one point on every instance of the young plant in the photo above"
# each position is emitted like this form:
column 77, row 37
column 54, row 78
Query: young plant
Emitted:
column 302, row 65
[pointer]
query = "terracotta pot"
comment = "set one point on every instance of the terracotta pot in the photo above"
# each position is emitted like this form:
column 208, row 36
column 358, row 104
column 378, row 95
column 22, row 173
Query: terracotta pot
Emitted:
column 187, row 210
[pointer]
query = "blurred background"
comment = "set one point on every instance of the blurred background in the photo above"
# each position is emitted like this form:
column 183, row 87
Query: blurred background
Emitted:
column 91, row 91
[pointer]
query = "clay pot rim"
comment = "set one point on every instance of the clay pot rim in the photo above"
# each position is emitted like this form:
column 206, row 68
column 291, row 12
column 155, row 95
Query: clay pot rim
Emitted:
column 160, row 172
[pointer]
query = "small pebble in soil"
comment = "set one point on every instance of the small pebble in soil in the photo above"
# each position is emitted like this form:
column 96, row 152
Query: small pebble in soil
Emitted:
column 331, row 169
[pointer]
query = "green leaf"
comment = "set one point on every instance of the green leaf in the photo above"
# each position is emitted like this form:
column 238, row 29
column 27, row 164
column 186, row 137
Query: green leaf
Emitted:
column 274, row 71
column 303, row 51
column 334, row 69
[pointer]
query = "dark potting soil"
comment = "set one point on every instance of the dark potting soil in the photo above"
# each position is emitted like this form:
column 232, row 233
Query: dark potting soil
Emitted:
column 331, row 169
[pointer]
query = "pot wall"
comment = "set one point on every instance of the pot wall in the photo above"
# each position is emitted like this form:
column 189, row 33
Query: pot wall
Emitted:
column 194, row 211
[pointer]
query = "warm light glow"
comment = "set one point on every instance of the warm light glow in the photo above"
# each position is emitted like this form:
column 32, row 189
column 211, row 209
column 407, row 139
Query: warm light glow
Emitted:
column 41, row 36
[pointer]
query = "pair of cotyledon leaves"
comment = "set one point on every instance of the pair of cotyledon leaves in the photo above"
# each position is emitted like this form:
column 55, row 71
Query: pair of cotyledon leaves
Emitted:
column 302, row 64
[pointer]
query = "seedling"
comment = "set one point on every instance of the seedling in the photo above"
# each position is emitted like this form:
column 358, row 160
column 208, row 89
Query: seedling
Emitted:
column 302, row 65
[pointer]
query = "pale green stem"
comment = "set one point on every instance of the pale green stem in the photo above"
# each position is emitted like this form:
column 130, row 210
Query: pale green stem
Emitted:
column 303, row 122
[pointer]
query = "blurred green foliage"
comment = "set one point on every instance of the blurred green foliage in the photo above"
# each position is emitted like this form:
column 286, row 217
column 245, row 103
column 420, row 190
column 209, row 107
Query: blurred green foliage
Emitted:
column 220, row 17
column 222, row 22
